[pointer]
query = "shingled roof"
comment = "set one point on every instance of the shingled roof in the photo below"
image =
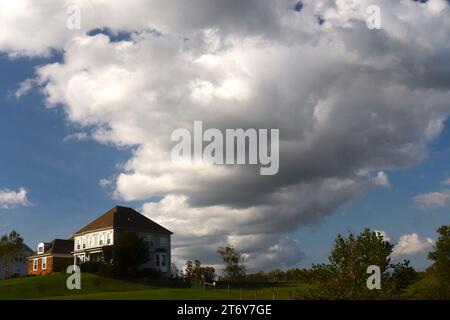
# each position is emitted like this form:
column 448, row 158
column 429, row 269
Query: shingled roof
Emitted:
column 57, row 246
column 123, row 218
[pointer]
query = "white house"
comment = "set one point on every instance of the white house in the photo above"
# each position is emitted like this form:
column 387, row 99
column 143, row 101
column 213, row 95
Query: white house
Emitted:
column 95, row 241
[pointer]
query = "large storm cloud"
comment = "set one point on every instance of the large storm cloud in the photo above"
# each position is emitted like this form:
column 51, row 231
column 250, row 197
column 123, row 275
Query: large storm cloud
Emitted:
column 349, row 102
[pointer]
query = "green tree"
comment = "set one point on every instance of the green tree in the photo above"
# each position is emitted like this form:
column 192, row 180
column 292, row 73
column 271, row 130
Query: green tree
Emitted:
column 130, row 252
column 233, row 259
column 11, row 246
column 403, row 275
column 345, row 277
column 441, row 262
column 195, row 270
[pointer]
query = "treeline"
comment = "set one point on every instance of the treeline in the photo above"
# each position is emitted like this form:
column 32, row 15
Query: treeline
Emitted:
column 346, row 275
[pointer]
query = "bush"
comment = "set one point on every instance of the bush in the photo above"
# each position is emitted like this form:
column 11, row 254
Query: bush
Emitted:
column 106, row 270
column 149, row 273
column 428, row 288
column 90, row 266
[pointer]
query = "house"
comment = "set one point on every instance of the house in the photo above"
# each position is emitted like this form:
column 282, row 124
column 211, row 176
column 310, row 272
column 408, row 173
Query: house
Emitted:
column 18, row 267
column 54, row 256
column 95, row 241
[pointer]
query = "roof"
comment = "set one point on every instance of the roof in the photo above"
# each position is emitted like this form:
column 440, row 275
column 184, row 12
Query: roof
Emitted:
column 123, row 218
column 57, row 246
column 26, row 248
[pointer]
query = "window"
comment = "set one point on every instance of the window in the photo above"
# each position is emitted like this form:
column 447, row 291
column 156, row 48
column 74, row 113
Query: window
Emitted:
column 91, row 240
column 102, row 236
column 41, row 248
column 163, row 241
column 150, row 242
column 44, row 263
column 78, row 243
column 108, row 238
column 35, row 264
column 84, row 243
column 161, row 262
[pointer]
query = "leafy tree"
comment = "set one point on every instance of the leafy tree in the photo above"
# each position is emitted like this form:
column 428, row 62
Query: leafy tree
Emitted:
column 276, row 275
column 130, row 252
column 403, row 275
column 345, row 277
column 259, row 276
column 195, row 270
column 441, row 262
column 441, row 254
column 11, row 246
column 233, row 259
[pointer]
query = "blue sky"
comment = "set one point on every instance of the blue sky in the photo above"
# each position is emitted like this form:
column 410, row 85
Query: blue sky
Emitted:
column 61, row 176
column 361, row 114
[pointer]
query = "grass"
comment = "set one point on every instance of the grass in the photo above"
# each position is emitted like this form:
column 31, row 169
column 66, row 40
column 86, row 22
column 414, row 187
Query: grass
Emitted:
column 55, row 285
column 98, row 288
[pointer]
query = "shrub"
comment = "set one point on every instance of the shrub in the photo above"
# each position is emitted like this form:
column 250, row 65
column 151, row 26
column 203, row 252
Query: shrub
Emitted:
column 90, row 266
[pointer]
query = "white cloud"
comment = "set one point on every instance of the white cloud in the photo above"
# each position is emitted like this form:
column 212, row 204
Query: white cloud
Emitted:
column 78, row 136
column 24, row 87
column 105, row 182
column 384, row 235
column 382, row 180
column 446, row 182
column 437, row 199
column 411, row 244
column 346, row 99
column 10, row 199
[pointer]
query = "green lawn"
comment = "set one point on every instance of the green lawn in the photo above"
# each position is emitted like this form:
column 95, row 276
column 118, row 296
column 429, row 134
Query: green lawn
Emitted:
column 95, row 287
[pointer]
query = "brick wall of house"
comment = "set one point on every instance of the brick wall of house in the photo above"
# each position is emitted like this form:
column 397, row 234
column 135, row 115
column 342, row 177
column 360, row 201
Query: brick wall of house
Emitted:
column 54, row 264
column 40, row 271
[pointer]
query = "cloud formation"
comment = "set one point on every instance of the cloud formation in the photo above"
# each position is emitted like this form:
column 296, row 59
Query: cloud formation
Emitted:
column 382, row 180
column 349, row 102
column 10, row 199
column 429, row 200
column 411, row 244
column 408, row 245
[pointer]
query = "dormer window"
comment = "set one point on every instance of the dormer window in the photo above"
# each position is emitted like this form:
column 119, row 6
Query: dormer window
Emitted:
column 41, row 248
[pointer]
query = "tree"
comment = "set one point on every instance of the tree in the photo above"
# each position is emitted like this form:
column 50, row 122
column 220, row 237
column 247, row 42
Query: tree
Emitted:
column 11, row 246
column 345, row 277
column 441, row 261
column 130, row 252
column 276, row 275
column 195, row 270
column 234, row 266
column 441, row 254
column 403, row 275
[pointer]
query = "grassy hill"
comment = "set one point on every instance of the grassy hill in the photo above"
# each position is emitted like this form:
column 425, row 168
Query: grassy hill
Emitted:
column 55, row 285
column 95, row 287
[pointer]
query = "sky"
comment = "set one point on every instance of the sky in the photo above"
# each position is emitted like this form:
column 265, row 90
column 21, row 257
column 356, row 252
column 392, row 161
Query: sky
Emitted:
column 86, row 116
